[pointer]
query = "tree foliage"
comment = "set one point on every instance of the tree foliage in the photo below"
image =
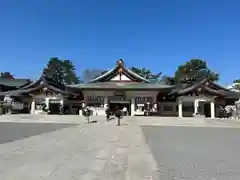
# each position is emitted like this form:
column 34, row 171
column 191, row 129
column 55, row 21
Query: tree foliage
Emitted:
column 90, row 74
column 147, row 73
column 6, row 75
column 194, row 70
column 154, row 78
column 237, row 84
column 167, row 80
column 61, row 71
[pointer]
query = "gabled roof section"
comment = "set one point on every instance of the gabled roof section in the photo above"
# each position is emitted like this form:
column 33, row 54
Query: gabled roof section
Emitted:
column 214, row 85
column 119, row 69
column 17, row 83
column 42, row 82
column 206, row 86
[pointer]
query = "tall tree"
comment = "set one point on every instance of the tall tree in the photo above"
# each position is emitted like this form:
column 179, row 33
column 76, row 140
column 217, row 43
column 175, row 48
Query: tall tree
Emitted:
column 237, row 84
column 146, row 73
column 6, row 75
column 61, row 71
column 167, row 80
column 90, row 74
column 194, row 70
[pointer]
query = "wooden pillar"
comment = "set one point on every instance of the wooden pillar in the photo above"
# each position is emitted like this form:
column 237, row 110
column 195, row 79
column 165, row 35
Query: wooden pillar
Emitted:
column 180, row 114
column 70, row 108
column 105, row 102
column 47, row 103
column 212, row 105
column 33, row 105
column 196, row 105
column 133, row 107
column 61, row 106
column 62, row 102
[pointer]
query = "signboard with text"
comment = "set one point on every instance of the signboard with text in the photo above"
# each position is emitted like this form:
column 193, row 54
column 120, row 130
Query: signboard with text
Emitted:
column 95, row 98
column 143, row 99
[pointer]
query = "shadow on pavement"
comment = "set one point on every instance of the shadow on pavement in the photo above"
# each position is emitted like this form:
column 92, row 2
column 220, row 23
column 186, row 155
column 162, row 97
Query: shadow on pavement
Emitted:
column 12, row 131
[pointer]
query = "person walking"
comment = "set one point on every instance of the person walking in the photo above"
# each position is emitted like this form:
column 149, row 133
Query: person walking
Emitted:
column 125, row 111
column 118, row 114
column 87, row 115
column 107, row 113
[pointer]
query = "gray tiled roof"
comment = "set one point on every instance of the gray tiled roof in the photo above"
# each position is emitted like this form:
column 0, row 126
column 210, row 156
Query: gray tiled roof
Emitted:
column 14, row 82
column 39, row 84
column 213, row 88
column 120, row 85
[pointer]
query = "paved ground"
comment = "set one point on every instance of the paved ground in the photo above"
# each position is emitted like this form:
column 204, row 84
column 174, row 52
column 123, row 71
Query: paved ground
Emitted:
column 199, row 153
column 64, row 148
column 11, row 131
column 83, row 151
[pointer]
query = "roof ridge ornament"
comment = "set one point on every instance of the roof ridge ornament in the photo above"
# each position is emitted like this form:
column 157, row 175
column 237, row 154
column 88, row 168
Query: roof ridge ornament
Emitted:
column 120, row 62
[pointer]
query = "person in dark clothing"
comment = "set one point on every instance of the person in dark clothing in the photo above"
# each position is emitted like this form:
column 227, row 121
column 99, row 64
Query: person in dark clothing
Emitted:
column 87, row 113
column 222, row 112
column 108, row 113
column 118, row 114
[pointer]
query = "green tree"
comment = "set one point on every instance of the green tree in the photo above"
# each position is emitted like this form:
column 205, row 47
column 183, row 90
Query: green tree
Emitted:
column 147, row 73
column 194, row 70
column 167, row 80
column 90, row 74
column 237, row 84
column 61, row 71
column 6, row 75
column 143, row 72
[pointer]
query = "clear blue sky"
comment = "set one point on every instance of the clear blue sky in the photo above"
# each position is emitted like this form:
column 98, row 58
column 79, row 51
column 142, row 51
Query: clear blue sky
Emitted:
column 156, row 34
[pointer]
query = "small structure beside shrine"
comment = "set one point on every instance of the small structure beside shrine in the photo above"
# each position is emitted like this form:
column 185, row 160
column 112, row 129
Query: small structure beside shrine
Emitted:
column 43, row 96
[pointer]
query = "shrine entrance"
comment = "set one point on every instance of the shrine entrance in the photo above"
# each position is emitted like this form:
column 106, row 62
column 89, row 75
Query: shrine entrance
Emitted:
column 207, row 109
column 114, row 105
column 54, row 106
column 119, row 101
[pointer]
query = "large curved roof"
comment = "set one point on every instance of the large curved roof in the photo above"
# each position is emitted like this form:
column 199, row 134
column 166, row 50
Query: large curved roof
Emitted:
column 120, row 67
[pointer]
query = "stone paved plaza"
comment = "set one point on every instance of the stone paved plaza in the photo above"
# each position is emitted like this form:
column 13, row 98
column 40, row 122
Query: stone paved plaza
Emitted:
column 64, row 148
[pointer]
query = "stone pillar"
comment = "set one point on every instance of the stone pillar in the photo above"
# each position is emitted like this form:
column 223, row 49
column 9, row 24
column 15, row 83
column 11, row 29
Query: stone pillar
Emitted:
column 212, row 105
column 105, row 102
column 33, row 105
column 133, row 107
column 180, row 114
column 196, row 105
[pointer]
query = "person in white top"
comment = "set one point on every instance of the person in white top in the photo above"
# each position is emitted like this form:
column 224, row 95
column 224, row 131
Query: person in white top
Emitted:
column 125, row 111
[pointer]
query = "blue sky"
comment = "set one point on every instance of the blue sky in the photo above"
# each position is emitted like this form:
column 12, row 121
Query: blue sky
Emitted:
column 156, row 34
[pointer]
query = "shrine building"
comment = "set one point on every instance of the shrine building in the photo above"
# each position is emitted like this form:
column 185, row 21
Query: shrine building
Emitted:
column 117, row 88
